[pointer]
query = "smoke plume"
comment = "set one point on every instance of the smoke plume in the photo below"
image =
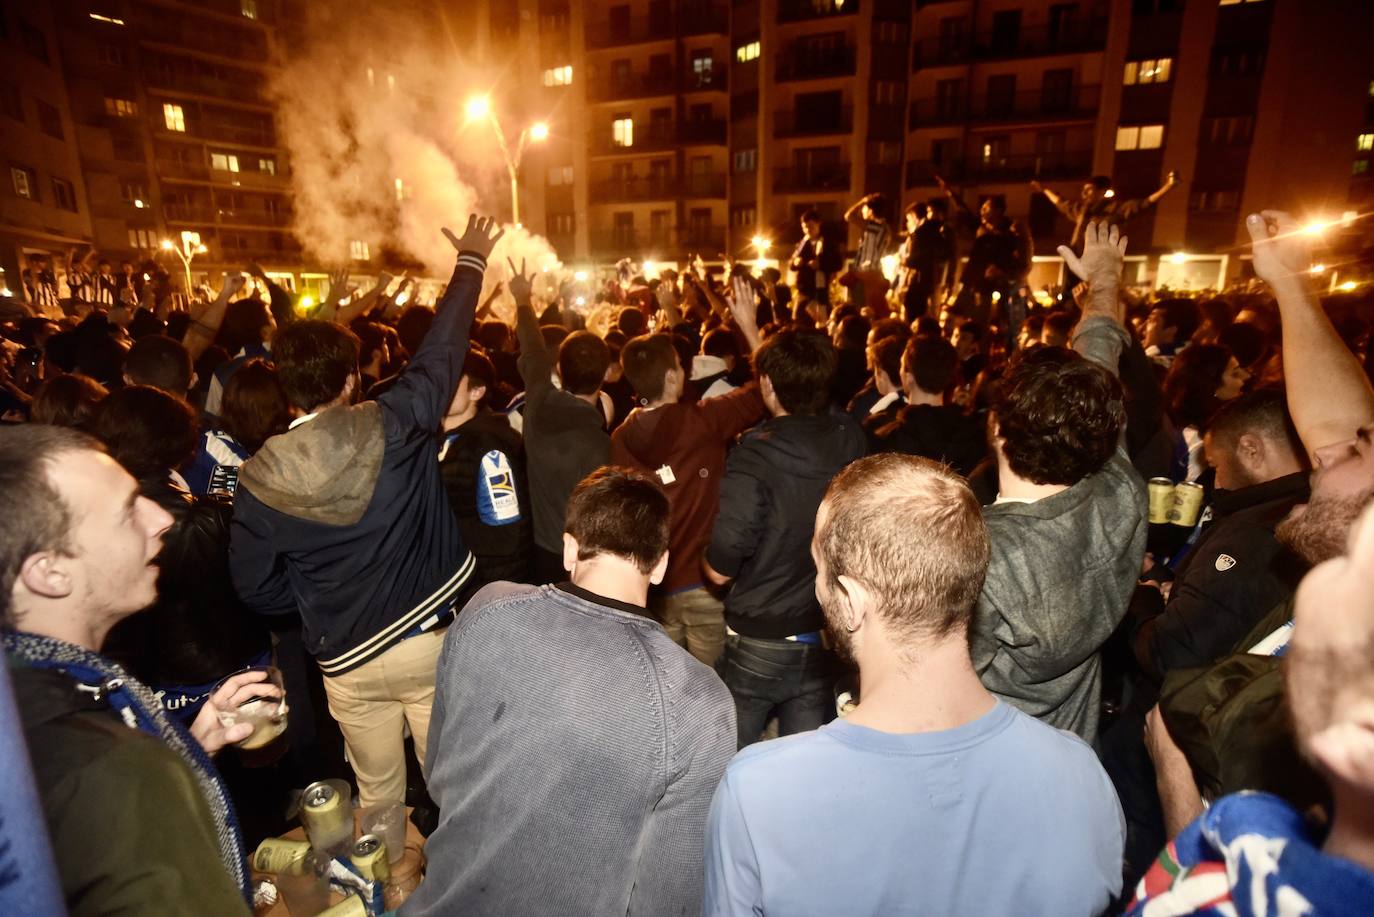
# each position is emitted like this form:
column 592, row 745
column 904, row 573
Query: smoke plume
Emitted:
column 371, row 110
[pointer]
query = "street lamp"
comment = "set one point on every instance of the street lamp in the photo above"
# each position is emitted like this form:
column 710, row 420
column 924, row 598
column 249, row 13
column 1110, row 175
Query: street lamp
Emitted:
column 479, row 108
column 190, row 247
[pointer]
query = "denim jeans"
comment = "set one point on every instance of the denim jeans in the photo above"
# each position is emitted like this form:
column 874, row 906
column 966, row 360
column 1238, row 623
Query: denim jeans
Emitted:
column 794, row 680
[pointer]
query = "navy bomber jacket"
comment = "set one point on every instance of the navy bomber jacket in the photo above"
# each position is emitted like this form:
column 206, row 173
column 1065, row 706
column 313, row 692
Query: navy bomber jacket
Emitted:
column 344, row 517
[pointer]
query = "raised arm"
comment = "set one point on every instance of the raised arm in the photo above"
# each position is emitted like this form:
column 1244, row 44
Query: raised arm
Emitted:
column 535, row 362
column 361, row 305
column 282, row 308
column 206, row 317
column 1329, row 396
column 1101, row 333
column 855, row 212
column 424, row 389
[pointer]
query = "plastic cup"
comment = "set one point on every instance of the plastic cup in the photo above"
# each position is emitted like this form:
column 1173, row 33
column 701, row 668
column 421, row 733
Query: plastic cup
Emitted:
column 388, row 822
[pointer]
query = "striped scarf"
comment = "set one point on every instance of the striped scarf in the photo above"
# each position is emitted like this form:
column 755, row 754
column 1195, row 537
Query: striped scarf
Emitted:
column 140, row 709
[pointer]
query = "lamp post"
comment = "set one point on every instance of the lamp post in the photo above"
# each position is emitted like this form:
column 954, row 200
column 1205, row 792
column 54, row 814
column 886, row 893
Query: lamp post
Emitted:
column 479, row 108
column 189, row 248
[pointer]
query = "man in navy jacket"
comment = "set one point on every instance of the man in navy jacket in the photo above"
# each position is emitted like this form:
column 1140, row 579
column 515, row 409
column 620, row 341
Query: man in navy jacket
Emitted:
column 344, row 519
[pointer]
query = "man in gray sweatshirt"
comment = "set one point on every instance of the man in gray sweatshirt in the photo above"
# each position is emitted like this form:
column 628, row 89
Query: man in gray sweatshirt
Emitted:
column 1068, row 527
column 574, row 747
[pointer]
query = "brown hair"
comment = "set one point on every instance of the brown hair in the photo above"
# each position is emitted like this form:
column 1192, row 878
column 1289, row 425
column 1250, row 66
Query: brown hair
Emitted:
column 254, row 407
column 621, row 512
column 67, row 400
column 800, row 365
column 147, row 431
column 314, row 361
column 582, row 361
column 646, row 361
column 911, row 531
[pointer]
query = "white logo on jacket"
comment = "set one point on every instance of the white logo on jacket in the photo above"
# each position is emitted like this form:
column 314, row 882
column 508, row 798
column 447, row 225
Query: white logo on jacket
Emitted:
column 1225, row 562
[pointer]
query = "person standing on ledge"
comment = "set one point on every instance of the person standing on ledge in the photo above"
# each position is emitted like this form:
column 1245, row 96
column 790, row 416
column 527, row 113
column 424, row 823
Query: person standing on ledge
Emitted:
column 1099, row 202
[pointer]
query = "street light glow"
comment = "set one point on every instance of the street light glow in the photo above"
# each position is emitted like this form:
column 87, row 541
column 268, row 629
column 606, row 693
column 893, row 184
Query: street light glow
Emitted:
column 1178, row 258
column 539, row 131
column 1318, row 269
column 762, row 243
column 478, row 107
column 167, row 245
column 1347, row 286
column 1317, row 228
column 580, row 276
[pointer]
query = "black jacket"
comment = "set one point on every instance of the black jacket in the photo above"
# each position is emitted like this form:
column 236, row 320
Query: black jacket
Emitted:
column 131, row 832
column 491, row 503
column 197, row 631
column 774, row 482
column 944, row 434
column 345, row 518
column 1234, row 575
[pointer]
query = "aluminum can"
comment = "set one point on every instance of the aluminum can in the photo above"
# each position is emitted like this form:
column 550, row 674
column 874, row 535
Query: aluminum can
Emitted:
column 281, row 856
column 325, row 813
column 1161, row 499
column 369, row 857
column 1187, row 504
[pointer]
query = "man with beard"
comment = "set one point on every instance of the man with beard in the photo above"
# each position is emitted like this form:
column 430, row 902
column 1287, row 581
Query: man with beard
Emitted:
column 1221, row 729
column 1330, row 688
column 932, row 796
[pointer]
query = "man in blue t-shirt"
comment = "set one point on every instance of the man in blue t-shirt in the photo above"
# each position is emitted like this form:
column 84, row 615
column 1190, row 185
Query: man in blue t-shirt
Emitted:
column 932, row 796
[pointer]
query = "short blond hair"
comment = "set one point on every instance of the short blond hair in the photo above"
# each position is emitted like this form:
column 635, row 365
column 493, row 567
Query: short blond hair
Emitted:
column 912, row 532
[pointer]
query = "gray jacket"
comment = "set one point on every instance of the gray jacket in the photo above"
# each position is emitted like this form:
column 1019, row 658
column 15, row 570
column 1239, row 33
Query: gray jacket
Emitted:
column 1062, row 572
column 573, row 753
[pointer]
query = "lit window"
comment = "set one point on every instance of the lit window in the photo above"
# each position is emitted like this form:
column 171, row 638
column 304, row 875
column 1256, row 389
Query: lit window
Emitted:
column 558, row 76
column 121, row 108
column 174, row 116
column 23, row 182
column 1371, row 87
column 561, row 175
column 1154, row 70
column 1144, row 137
column 267, row 165
column 140, row 238
column 1365, row 142
column 747, row 52
column 400, row 190
column 623, row 132
column 359, row 250
column 100, row 17
column 249, row 8
column 746, row 160
column 225, row 162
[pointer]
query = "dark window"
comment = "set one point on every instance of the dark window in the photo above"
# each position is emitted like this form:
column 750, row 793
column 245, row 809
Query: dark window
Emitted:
column 1002, row 94
column 1062, row 16
column 112, row 56
column 35, row 42
column 820, row 111
column 1006, row 31
column 620, row 22
column 944, row 152
column 624, row 228
column 1056, row 92
column 63, row 194
column 949, row 99
column 953, row 35
column 49, row 119
column 11, row 103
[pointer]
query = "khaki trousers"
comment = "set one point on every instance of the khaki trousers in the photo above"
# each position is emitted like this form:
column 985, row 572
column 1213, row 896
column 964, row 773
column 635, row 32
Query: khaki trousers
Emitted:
column 373, row 702
column 695, row 619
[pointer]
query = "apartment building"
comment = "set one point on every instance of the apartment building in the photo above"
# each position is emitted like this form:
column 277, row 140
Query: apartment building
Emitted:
column 43, row 205
column 176, row 133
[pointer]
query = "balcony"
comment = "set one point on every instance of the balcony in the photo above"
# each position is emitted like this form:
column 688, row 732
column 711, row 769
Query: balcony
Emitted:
column 630, row 190
column 233, row 133
column 803, row 10
column 193, row 171
column 1080, row 103
column 184, row 84
column 1068, row 164
column 665, row 136
column 255, row 217
column 707, row 185
column 802, row 63
column 188, row 213
column 801, row 179
column 700, row 19
column 648, row 85
column 811, row 123
column 1069, row 38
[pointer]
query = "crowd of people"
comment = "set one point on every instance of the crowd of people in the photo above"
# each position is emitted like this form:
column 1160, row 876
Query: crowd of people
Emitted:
column 712, row 592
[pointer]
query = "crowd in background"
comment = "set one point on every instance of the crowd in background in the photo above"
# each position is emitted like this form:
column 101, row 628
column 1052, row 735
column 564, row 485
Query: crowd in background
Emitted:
column 899, row 518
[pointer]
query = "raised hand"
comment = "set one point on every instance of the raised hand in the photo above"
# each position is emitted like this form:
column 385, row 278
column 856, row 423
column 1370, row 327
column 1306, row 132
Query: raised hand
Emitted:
column 478, row 237
column 232, row 284
column 521, row 283
column 1036, row 187
column 338, row 284
column 255, row 270
column 1103, row 258
column 1282, row 252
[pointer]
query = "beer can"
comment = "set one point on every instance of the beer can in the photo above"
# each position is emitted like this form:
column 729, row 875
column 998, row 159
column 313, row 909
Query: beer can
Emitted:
column 325, row 813
column 1187, row 504
column 1161, row 499
column 281, row 856
column 369, row 856
column 352, row 906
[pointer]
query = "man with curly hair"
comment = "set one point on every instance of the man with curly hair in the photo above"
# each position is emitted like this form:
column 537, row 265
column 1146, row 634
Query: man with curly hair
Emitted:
column 1068, row 526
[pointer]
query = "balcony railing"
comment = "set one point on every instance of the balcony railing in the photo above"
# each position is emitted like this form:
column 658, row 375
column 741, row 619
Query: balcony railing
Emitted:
column 657, row 137
column 802, row 63
column 198, row 85
column 195, row 171
column 188, row 213
column 232, row 133
column 616, row 190
column 1076, row 103
column 1068, row 164
column 703, row 186
column 833, row 177
column 1090, row 35
column 809, row 123
column 801, row 10
column 250, row 217
column 698, row 19
column 647, row 85
column 708, row 240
